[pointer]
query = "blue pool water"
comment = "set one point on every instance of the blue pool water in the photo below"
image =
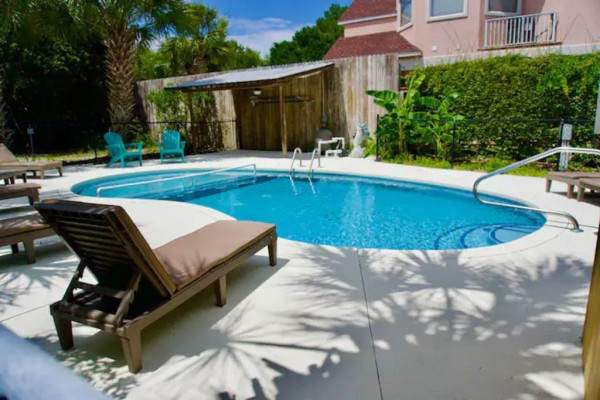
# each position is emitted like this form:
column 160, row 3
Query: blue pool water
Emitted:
column 338, row 210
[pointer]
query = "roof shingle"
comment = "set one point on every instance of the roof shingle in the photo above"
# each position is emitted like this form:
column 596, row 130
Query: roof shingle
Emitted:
column 368, row 8
column 367, row 45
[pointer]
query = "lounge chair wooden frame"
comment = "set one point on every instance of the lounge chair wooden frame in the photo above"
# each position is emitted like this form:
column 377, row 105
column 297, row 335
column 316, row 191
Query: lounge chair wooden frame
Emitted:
column 31, row 191
column 593, row 184
column 572, row 179
column 105, row 237
column 9, row 161
column 27, row 238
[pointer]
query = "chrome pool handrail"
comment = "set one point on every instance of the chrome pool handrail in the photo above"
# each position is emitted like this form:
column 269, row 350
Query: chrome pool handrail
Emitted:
column 100, row 189
column 537, row 157
column 312, row 160
column 297, row 150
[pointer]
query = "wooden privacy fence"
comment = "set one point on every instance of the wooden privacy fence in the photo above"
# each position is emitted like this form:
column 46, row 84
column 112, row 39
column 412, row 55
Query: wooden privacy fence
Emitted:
column 257, row 124
column 591, row 334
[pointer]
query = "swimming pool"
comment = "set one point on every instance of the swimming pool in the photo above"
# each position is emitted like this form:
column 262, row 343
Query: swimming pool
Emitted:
column 339, row 210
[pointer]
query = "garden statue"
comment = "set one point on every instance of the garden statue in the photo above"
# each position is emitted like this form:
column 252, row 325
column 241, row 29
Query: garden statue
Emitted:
column 362, row 133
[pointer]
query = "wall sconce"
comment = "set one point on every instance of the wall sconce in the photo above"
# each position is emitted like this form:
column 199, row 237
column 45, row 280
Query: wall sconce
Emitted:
column 257, row 92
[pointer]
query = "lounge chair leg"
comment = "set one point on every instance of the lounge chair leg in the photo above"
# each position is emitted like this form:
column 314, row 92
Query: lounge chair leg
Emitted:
column 273, row 251
column 29, row 251
column 60, row 171
column 548, row 185
column 220, row 286
column 570, row 191
column 64, row 329
column 34, row 198
column 14, row 248
column 580, row 193
column 132, row 347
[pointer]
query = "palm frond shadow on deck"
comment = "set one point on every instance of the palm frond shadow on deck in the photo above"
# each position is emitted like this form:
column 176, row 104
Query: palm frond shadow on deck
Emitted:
column 18, row 279
column 501, row 319
column 431, row 317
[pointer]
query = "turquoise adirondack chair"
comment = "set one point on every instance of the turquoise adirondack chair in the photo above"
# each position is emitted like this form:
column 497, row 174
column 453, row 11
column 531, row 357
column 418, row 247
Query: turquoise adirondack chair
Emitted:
column 118, row 150
column 171, row 146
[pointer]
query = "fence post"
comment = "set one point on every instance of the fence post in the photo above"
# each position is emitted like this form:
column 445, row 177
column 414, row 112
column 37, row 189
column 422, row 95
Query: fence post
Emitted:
column 377, row 155
column 597, row 124
column 560, row 129
column 30, row 132
column 453, row 142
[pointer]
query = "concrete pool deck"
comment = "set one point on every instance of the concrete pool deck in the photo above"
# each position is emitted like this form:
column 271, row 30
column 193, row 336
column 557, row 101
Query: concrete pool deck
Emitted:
column 500, row 322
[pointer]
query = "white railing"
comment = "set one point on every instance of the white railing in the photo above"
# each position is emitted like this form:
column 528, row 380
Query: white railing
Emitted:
column 522, row 30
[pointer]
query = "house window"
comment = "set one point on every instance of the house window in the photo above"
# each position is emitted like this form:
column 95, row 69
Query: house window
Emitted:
column 447, row 9
column 503, row 7
column 405, row 12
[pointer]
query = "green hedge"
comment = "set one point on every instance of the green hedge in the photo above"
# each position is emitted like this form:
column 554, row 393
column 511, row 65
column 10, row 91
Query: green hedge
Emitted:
column 533, row 93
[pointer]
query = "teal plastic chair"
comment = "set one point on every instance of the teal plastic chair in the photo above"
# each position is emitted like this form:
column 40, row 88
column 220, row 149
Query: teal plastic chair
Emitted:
column 118, row 150
column 171, row 146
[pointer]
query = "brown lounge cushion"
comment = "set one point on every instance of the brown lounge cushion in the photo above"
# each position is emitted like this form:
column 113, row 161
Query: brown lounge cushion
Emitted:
column 192, row 255
column 18, row 187
column 28, row 223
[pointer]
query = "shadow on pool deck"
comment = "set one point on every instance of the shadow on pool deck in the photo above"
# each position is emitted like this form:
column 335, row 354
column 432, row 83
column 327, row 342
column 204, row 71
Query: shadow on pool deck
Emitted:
column 434, row 328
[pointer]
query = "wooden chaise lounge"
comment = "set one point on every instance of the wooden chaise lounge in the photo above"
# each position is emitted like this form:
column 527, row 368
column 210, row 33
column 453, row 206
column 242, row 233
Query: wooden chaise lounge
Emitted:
column 9, row 161
column 592, row 184
column 24, row 230
column 29, row 190
column 570, row 178
column 137, row 285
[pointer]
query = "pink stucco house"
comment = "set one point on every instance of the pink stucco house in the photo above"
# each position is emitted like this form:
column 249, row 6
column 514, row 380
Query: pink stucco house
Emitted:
column 426, row 32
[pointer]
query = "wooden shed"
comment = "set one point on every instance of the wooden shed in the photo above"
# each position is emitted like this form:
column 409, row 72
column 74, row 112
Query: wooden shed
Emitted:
column 276, row 107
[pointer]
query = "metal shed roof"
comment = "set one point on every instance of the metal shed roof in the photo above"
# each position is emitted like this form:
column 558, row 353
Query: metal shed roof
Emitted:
column 250, row 78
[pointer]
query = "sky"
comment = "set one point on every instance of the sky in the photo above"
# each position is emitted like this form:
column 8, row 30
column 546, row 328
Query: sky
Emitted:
column 260, row 23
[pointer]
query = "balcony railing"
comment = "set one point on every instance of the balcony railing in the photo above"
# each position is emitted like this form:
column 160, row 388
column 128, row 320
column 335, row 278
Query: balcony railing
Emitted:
column 522, row 30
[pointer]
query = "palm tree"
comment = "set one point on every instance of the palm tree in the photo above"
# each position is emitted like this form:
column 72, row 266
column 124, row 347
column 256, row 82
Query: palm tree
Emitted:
column 201, row 45
column 124, row 25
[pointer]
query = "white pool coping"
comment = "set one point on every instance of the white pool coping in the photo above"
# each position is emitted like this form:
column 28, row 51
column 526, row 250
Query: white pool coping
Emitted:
column 394, row 337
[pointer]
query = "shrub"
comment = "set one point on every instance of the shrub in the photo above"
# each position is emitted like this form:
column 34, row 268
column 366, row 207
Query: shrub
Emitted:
column 173, row 109
column 513, row 104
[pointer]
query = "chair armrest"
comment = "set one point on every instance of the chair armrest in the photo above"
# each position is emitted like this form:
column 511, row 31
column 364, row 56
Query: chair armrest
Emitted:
column 138, row 145
column 182, row 144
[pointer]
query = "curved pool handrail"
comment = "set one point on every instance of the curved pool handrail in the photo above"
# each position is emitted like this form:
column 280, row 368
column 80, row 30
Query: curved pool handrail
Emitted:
column 312, row 160
column 537, row 157
column 297, row 150
column 123, row 185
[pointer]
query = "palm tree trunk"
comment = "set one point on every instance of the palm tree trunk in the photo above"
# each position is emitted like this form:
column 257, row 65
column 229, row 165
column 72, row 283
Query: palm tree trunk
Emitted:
column 120, row 76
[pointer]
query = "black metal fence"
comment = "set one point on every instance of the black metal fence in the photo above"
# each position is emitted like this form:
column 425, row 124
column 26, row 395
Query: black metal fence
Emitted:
column 87, row 138
column 514, row 139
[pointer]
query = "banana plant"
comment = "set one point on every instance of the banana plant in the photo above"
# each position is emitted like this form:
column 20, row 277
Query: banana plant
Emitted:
column 414, row 118
column 402, row 111
column 437, row 128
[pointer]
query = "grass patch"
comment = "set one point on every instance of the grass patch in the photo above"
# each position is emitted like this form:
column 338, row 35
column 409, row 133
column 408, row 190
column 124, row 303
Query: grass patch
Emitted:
column 479, row 165
column 79, row 155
